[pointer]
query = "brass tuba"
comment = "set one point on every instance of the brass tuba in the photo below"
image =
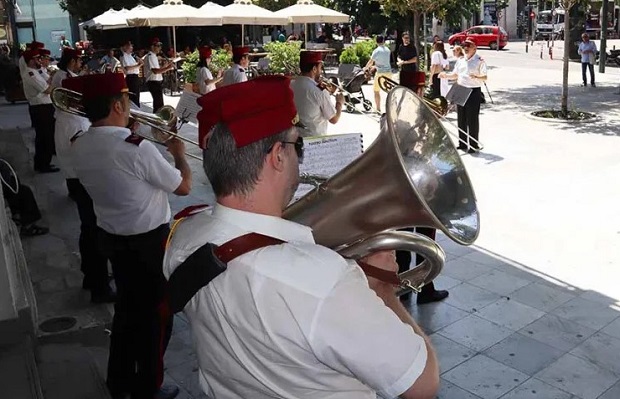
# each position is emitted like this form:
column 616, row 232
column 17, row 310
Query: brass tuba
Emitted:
column 411, row 176
column 439, row 104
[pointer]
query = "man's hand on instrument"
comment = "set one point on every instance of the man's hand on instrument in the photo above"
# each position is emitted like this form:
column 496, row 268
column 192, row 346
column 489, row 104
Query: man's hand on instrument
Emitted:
column 134, row 127
column 340, row 99
column 176, row 147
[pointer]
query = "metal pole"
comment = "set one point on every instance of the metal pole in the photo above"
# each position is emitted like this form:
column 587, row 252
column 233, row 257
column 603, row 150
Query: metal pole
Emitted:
column 603, row 50
column 34, row 20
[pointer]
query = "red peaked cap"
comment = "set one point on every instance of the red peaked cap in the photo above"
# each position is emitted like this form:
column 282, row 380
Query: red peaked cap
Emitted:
column 44, row 52
column 240, row 51
column 71, row 53
column 36, row 45
column 310, row 57
column 75, row 84
column 30, row 54
column 100, row 85
column 250, row 110
column 205, row 52
column 155, row 41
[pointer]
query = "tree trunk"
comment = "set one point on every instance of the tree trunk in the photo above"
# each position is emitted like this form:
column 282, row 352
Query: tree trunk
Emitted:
column 416, row 34
column 567, row 43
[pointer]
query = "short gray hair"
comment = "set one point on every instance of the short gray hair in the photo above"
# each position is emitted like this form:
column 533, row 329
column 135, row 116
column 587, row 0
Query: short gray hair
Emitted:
column 233, row 170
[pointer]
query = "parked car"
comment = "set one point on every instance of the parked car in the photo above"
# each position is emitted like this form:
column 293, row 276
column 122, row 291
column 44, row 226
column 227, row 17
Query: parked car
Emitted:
column 482, row 35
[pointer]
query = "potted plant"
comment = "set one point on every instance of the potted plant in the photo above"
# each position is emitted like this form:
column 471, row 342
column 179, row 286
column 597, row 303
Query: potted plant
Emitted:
column 349, row 56
column 189, row 67
column 283, row 57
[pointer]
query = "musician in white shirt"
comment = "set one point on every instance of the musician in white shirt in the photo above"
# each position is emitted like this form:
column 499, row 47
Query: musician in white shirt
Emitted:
column 236, row 73
column 131, row 66
column 153, row 74
column 204, row 77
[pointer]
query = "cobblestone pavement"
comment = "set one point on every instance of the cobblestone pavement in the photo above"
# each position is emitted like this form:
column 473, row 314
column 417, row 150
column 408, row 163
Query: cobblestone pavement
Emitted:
column 534, row 308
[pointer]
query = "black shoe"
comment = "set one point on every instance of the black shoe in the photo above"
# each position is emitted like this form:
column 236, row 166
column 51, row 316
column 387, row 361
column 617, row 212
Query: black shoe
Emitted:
column 584, row 84
column 47, row 169
column 462, row 148
column 167, row 391
column 106, row 297
column 434, row 296
column 593, row 84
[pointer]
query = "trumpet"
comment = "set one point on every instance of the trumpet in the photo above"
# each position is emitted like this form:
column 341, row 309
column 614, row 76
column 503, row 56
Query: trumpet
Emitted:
column 162, row 123
column 439, row 106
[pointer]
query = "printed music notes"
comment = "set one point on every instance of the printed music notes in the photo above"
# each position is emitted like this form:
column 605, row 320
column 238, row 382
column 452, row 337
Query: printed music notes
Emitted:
column 187, row 107
column 327, row 155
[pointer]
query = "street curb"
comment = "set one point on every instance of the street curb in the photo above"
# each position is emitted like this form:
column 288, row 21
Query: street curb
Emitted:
column 529, row 115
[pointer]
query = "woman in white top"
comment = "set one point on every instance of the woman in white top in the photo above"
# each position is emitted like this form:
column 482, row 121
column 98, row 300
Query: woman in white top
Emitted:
column 439, row 63
column 204, row 77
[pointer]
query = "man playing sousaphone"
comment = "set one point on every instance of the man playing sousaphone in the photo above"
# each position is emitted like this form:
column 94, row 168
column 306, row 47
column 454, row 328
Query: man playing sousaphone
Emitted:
column 291, row 319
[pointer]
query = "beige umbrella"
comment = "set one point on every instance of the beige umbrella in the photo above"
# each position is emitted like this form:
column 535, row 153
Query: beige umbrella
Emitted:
column 243, row 12
column 305, row 12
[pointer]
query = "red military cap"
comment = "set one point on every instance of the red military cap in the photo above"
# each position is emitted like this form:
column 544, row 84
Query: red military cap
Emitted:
column 44, row 52
column 75, row 84
column 70, row 53
column 102, row 85
column 310, row 57
column 205, row 52
column 155, row 41
column 241, row 51
column 469, row 41
column 30, row 54
column 250, row 110
column 36, row 45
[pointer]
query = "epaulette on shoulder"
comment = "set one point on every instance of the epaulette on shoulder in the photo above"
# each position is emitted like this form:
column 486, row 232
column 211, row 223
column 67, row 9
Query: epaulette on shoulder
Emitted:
column 134, row 139
column 191, row 210
column 40, row 71
column 30, row 73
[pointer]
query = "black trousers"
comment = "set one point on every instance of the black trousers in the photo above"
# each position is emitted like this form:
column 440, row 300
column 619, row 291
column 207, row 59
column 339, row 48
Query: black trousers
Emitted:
column 468, row 117
column 43, row 122
column 23, row 204
column 140, row 332
column 94, row 261
column 133, row 84
column 584, row 66
column 156, row 90
column 403, row 258
column 436, row 85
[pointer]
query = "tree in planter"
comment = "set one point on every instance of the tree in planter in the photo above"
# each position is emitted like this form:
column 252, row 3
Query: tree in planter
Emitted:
column 221, row 60
column 283, row 57
column 349, row 56
column 364, row 50
column 189, row 67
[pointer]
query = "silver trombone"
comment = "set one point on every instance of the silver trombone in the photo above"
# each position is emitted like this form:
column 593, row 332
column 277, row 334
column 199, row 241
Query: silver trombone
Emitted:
column 162, row 122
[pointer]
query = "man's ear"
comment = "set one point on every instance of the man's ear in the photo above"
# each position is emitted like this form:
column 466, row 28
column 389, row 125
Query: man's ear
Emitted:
column 275, row 157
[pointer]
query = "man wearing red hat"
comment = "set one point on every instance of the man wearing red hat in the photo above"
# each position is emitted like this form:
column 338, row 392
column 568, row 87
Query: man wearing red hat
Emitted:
column 153, row 74
column 241, row 61
column 204, row 77
column 131, row 66
column 37, row 91
column 470, row 72
column 29, row 46
column 129, row 181
column 313, row 103
column 287, row 317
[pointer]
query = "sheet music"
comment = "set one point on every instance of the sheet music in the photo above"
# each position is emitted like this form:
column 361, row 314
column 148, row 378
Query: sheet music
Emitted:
column 327, row 155
column 458, row 94
column 187, row 107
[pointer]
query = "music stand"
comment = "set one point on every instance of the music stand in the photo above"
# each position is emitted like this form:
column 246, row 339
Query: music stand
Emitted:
column 458, row 94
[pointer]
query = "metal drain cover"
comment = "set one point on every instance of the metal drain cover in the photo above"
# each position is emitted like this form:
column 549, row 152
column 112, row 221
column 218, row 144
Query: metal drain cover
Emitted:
column 58, row 324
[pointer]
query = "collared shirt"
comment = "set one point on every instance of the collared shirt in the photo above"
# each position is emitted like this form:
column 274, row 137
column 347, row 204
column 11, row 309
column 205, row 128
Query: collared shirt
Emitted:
column 129, row 183
column 67, row 126
column 406, row 53
column 464, row 67
column 34, row 86
column 128, row 60
column 587, row 57
column 314, row 106
column 23, row 67
column 203, row 74
column 291, row 321
column 43, row 72
column 381, row 55
column 234, row 74
column 152, row 63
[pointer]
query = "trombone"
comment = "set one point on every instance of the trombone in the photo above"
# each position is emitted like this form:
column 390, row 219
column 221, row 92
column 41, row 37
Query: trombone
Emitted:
column 439, row 106
column 161, row 123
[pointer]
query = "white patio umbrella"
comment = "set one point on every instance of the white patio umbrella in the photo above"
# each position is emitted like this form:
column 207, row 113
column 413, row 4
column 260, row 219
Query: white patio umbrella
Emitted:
column 243, row 12
column 111, row 19
column 173, row 13
column 211, row 7
column 305, row 12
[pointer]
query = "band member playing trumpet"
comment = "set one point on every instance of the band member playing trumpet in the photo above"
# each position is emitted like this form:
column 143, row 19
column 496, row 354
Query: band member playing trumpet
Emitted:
column 380, row 60
column 131, row 66
column 293, row 319
column 153, row 74
column 312, row 100
column 45, row 55
column 471, row 72
column 129, row 180
column 241, row 61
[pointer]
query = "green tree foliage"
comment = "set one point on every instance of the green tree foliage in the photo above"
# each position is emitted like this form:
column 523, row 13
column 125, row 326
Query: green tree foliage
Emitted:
column 283, row 57
column 349, row 56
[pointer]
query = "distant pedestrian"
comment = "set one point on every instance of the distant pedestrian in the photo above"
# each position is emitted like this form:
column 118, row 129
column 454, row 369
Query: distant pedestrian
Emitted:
column 587, row 51
column 380, row 59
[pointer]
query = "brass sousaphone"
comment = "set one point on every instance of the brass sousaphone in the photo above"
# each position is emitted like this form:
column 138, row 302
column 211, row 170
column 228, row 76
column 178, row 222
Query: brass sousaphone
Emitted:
column 411, row 176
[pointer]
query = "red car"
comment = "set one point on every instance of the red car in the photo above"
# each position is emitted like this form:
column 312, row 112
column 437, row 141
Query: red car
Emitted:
column 482, row 35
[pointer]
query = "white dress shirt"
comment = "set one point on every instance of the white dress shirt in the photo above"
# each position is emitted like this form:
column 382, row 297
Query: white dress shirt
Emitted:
column 234, row 74
column 129, row 183
column 290, row 321
column 152, row 63
column 34, row 86
column 128, row 60
column 314, row 106
column 464, row 67
column 203, row 74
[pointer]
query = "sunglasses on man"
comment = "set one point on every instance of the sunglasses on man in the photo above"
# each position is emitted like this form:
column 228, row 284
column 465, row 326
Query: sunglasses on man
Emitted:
column 299, row 148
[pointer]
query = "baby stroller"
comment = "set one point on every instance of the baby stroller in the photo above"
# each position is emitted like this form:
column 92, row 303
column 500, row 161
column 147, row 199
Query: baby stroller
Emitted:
column 354, row 94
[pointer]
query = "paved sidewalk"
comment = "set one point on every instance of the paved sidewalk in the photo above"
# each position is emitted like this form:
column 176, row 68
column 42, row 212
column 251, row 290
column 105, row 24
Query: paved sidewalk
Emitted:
column 534, row 308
